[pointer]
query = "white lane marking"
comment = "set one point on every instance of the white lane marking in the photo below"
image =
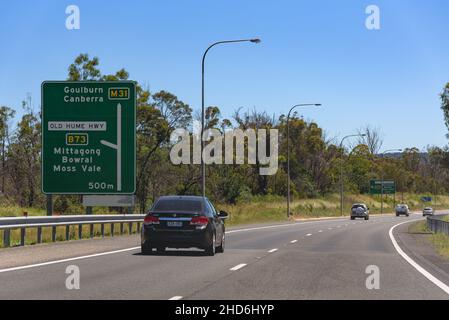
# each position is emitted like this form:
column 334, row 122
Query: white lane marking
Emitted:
column 282, row 225
column 329, row 228
column 420, row 269
column 293, row 241
column 239, row 266
column 308, row 235
column 320, row 231
column 176, row 298
column 135, row 248
column 272, row 250
column 67, row 260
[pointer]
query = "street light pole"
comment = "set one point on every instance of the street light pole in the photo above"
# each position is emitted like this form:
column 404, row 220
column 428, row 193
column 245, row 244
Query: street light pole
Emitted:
column 341, row 167
column 203, row 165
column 382, row 180
column 288, row 149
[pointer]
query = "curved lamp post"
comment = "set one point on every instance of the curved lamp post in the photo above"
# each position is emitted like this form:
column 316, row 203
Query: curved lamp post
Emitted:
column 203, row 166
column 288, row 149
column 341, row 167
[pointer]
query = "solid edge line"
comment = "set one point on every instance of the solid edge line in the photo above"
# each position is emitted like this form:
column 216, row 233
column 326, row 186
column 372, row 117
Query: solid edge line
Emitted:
column 415, row 265
column 67, row 260
column 237, row 267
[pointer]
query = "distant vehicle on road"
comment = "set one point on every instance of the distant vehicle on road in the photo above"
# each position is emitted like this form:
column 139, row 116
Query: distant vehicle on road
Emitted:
column 183, row 222
column 402, row 209
column 428, row 211
column 359, row 210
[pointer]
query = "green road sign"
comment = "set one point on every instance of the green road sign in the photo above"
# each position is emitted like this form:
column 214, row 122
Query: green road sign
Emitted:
column 88, row 137
column 376, row 187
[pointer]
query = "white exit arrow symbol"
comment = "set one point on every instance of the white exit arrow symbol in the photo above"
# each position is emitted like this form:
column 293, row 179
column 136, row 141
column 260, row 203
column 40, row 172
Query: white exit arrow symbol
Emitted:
column 117, row 147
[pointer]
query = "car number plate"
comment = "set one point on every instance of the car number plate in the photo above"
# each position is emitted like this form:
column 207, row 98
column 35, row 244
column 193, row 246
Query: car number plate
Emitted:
column 174, row 223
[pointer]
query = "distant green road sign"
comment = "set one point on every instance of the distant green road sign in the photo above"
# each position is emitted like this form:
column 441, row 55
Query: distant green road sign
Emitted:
column 376, row 187
column 88, row 137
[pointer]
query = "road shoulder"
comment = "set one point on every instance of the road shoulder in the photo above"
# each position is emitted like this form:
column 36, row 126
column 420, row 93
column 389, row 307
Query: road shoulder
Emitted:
column 419, row 248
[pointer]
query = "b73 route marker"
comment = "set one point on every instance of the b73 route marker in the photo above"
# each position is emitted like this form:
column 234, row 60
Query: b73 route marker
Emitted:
column 88, row 137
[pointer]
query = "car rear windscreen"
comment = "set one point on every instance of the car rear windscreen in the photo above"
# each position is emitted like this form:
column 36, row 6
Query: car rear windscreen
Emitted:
column 177, row 205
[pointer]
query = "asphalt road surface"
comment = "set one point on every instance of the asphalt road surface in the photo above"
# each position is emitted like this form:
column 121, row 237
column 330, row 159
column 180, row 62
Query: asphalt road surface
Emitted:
column 324, row 259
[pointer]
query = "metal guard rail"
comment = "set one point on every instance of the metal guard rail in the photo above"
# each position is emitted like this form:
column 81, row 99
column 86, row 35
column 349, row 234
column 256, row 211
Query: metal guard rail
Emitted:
column 8, row 224
column 437, row 225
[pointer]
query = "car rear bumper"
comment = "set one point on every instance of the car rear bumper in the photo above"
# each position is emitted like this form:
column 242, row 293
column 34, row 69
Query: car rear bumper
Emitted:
column 176, row 238
column 359, row 215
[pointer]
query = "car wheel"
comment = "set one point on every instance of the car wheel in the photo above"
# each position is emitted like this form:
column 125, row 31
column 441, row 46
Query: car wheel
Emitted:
column 210, row 250
column 160, row 250
column 146, row 249
column 366, row 218
column 221, row 247
column 352, row 218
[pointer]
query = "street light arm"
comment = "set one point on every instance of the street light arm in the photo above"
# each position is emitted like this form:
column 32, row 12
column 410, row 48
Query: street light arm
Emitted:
column 301, row 105
column 226, row 41
column 350, row 136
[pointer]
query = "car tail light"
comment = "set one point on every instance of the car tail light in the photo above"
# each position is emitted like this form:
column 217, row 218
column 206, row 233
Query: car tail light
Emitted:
column 151, row 220
column 199, row 221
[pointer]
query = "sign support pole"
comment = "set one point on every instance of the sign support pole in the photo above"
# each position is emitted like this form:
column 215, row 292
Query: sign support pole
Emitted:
column 49, row 205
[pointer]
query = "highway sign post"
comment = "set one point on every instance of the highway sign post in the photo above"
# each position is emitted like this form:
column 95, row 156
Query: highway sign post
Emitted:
column 389, row 187
column 88, row 137
column 382, row 187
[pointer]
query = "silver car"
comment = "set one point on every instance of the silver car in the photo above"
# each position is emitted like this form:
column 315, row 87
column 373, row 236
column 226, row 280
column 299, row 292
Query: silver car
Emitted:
column 359, row 210
column 402, row 209
column 428, row 211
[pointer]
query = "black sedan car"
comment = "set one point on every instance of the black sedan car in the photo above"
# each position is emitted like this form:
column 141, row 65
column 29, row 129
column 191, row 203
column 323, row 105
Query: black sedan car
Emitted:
column 183, row 222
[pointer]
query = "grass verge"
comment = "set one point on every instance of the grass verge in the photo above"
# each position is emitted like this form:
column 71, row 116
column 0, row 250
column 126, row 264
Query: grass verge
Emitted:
column 440, row 241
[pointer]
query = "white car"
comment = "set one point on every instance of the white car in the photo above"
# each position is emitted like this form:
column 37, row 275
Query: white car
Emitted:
column 428, row 211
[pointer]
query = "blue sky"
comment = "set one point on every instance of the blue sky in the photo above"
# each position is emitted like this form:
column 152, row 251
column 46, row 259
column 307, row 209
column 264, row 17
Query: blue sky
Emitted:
column 311, row 51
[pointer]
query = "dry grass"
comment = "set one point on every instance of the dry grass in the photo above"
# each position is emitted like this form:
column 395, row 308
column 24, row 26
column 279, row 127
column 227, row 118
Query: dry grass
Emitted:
column 270, row 209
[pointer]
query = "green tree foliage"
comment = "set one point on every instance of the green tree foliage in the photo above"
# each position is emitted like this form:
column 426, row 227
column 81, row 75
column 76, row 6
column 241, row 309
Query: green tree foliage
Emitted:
column 315, row 160
column 445, row 104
